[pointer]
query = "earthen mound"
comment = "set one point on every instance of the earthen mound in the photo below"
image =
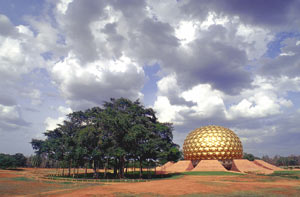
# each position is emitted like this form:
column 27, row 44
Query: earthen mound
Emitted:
column 209, row 165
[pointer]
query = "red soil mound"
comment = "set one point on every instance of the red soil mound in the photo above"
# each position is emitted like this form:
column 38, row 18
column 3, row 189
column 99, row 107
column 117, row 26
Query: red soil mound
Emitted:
column 244, row 165
column 209, row 165
column 180, row 166
column 266, row 165
column 166, row 165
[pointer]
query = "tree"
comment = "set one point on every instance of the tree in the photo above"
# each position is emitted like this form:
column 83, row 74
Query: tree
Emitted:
column 36, row 161
column 119, row 132
column 7, row 161
column 249, row 156
column 20, row 159
column 129, row 129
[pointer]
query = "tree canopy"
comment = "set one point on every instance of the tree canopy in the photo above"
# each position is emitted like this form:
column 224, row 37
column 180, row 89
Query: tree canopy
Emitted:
column 12, row 161
column 118, row 132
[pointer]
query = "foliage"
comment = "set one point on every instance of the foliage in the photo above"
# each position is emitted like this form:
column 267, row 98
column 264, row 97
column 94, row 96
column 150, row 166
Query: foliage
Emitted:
column 119, row 133
column 12, row 161
column 249, row 156
column 291, row 160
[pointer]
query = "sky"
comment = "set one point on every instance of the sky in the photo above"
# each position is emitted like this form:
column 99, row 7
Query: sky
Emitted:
column 195, row 62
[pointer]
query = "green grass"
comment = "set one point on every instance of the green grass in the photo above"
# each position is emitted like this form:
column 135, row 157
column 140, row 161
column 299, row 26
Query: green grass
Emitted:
column 21, row 179
column 81, row 180
column 211, row 173
column 130, row 177
column 286, row 174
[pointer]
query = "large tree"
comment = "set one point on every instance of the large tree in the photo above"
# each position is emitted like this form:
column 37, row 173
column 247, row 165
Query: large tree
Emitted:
column 120, row 131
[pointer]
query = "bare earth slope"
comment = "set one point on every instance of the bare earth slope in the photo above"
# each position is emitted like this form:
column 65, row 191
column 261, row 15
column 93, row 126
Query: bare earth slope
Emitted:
column 267, row 165
column 209, row 165
column 180, row 166
column 244, row 165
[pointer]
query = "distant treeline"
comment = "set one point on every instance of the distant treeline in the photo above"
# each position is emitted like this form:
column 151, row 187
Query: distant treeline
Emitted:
column 277, row 160
column 291, row 160
column 116, row 135
column 12, row 161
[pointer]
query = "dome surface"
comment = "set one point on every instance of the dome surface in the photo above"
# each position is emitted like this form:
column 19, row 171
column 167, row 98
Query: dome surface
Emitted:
column 212, row 142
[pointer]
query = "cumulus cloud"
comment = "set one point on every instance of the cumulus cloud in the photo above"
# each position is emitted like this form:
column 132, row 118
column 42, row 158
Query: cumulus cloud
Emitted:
column 91, row 84
column 10, row 118
column 6, row 27
column 265, row 13
column 286, row 64
column 51, row 123
column 213, row 57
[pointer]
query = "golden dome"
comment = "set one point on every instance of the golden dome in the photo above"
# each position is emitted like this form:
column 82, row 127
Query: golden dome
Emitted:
column 212, row 142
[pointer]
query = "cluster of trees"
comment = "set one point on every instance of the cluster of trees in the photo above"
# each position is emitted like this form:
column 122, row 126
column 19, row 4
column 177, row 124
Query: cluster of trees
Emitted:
column 12, row 161
column 249, row 156
column 115, row 135
column 277, row 160
column 291, row 160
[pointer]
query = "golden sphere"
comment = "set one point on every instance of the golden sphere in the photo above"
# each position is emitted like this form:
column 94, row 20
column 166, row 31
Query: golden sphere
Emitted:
column 212, row 142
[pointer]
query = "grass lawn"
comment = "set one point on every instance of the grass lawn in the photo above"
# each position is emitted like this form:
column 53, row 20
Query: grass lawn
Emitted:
column 287, row 174
column 211, row 173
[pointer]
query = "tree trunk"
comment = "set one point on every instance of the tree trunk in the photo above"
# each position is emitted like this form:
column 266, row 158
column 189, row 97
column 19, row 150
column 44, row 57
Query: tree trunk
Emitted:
column 121, row 166
column 141, row 168
column 115, row 168
column 95, row 170
column 105, row 168
column 69, row 173
column 56, row 169
column 133, row 167
column 85, row 172
column 63, row 171
column 73, row 171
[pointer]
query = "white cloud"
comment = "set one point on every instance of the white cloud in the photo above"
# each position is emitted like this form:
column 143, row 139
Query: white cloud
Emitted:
column 213, row 19
column 208, row 101
column 259, row 105
column 10, row 118
column 257, row 40
column 62, row 5
column 97, row 81
column 34, row 95
column 201, row 101
column 51, row 123
column 267, row 98
column 287, row 54
column 167, row 112
column 11, row 51
column 167, row 84
column 186, row 31
column 9, row 112
column 64, row 110
column 18, row 54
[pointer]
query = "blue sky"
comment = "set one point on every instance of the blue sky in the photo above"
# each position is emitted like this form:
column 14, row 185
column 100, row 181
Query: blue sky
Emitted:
column 234, row 64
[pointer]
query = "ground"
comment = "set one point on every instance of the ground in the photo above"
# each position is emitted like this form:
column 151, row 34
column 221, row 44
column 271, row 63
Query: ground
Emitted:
column 29, row 182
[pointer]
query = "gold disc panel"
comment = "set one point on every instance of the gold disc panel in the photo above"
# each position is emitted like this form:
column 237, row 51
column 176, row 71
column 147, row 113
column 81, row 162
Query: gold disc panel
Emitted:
column 212, row 142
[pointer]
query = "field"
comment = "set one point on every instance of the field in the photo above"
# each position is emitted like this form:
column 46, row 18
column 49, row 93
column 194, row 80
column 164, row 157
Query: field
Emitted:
column 31, row 182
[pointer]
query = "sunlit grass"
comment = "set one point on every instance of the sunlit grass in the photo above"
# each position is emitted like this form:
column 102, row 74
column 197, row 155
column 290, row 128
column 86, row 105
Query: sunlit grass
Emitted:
column 212, row 173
